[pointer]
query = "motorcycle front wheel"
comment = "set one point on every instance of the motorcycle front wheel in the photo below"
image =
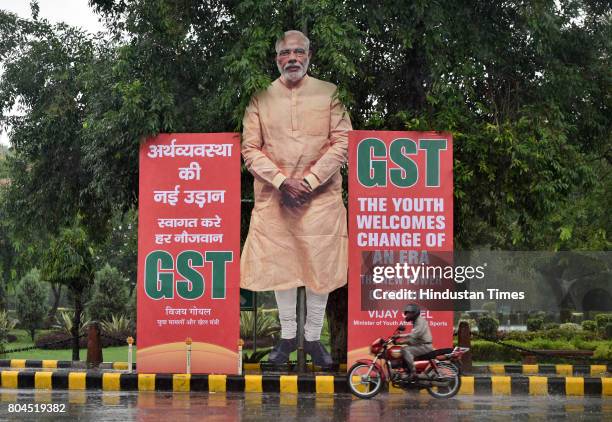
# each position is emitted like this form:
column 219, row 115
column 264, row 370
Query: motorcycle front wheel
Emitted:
column 363, row 382
column 448, row 373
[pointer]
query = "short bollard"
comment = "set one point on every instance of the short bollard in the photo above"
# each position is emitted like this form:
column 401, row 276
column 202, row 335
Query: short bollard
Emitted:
column 94, row 345
column 464, row 340
column 130, row 342
column 188, row 343
column 240, row 344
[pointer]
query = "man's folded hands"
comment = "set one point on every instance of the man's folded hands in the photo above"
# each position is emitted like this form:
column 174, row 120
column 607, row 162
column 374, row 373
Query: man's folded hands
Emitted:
column 295, row 192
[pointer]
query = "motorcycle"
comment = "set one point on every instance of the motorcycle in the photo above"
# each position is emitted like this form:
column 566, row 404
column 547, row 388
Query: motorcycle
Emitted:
column 437, row 371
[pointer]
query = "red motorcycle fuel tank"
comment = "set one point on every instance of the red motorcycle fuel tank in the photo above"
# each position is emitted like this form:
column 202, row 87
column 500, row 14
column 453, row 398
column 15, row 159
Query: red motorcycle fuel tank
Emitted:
column 376, row 346
column 394, row 352
column 420, row 365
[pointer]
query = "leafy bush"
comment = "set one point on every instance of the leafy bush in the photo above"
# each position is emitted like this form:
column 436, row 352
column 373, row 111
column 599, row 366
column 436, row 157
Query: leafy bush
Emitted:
column 50, row 341
column 585, row 344
column 535, row 324
column 487, row 326
column 63, row 322
column 602, row 320
column 116, row 325
column 483, row 350
column 255, row 357
column 521, row 336
column 6, row 325
column 544, row 343
column 607, row 332
column 266, row 330
column 570, row 326
column 116, row 331
column 603, row 352
column 31, row 301
column 560, row 334
column 550, row 326
column 589, row 325
column 110, row 295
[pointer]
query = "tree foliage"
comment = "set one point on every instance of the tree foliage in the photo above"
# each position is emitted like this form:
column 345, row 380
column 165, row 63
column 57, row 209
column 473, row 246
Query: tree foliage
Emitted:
column 120, row 248
column 110, row 295
column 43, row 78
column 69, row 261
column 31, row 301
column 523, row 86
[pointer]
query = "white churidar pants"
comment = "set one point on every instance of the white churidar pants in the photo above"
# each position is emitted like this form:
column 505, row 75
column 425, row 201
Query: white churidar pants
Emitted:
column 286, row 301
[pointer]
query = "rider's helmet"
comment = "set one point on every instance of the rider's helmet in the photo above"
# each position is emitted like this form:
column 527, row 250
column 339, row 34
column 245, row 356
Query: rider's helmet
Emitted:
column 411, row 312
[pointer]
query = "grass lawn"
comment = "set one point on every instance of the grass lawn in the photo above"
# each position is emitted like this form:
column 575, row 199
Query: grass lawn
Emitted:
column 119, row 353
column 109, row 354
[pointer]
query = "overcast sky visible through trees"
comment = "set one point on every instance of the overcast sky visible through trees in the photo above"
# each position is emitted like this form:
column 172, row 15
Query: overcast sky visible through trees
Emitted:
column 72, row 12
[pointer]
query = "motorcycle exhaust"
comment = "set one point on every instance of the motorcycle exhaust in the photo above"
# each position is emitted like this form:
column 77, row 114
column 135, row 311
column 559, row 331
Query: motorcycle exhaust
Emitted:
column 434, row 383
column 440, row 383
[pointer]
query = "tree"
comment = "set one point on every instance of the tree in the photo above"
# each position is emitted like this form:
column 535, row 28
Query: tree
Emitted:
column 46, row 185
column 42, row 76
column 521, row 85
column 110, row 295
column 3, row 169
column 31, row 301
column 69, row 261
column 120, row 248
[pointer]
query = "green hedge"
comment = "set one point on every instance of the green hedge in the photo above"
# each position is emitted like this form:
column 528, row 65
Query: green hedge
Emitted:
column 483, row 350
column 602, row 320
column 589, row 325
column 603, row 351
column 492, row 352
column 487, row 326
column 535, row 324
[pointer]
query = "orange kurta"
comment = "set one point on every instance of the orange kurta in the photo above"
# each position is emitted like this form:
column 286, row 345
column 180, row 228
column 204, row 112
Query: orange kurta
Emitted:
column 299, row 132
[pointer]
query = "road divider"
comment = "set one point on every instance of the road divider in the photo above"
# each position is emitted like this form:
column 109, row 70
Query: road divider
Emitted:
column 543, row 369
column 499, row 369
column 320, row 384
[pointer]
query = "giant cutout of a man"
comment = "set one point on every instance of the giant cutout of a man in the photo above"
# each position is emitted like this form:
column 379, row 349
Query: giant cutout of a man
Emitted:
column 295, row 140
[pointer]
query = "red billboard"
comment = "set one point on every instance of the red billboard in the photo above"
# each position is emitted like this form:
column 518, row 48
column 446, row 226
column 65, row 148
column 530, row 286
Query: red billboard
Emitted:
column 400, row 227
column 188, row 253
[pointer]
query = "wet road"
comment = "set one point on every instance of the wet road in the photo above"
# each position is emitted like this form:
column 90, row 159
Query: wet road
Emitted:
column 175, row 407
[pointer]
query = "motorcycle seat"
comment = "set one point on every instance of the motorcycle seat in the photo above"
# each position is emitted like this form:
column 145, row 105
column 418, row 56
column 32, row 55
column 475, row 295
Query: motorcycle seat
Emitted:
column 433, row 354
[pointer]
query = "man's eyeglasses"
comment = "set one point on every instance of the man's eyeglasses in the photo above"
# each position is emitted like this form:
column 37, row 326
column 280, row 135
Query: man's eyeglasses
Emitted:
column 299, row 52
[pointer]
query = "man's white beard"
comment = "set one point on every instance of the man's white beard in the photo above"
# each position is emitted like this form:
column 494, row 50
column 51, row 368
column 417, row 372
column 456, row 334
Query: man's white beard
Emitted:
column 295, row 75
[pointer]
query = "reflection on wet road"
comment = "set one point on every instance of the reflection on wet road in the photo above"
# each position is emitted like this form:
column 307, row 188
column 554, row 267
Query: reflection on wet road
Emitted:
column 147, row 406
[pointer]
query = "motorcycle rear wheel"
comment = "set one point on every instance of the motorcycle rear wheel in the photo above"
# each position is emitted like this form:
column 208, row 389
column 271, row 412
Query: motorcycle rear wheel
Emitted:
column 364, row 383
column 449, row 372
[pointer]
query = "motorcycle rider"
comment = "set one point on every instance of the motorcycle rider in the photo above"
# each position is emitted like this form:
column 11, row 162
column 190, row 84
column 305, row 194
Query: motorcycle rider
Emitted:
column 418, row 341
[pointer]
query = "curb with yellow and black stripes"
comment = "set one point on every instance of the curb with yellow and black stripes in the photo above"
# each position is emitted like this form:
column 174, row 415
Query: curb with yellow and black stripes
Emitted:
column 58, row 364
column 544, row 369
column 319, row 384
column 505, row 369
